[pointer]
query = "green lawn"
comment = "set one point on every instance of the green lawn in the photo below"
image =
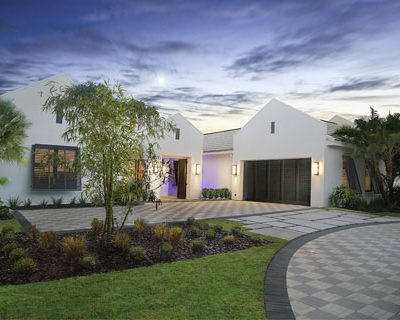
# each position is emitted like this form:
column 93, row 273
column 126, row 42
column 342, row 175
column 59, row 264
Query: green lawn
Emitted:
column 392, row 214
column 12, row 222
column 223, row 286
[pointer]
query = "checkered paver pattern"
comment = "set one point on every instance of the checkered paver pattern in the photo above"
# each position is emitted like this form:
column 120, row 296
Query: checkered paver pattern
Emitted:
column 349, row 274
column 290, row 225
column 80, row 218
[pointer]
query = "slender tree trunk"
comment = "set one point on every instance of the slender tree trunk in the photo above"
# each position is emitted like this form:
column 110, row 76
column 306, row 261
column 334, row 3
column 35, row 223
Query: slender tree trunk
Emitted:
column 380, row 183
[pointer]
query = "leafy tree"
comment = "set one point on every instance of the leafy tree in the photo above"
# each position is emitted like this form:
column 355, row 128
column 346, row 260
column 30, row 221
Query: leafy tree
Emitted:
column 12, row 133
column 116, row 137
column 377, row 139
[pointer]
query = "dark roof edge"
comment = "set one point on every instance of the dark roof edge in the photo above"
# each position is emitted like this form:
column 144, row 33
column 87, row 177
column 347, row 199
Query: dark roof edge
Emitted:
column 222, row 131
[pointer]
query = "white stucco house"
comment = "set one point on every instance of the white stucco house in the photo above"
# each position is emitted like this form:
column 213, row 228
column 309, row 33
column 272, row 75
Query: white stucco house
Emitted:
column 280, row 155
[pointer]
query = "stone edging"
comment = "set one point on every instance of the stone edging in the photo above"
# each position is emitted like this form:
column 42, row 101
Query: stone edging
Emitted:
column 276, row 299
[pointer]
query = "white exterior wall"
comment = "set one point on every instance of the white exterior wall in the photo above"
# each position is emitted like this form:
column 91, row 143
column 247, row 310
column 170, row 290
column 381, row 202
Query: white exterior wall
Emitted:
column 189, row 146
column 217, row 172
column 43, row 130
column 297, row 135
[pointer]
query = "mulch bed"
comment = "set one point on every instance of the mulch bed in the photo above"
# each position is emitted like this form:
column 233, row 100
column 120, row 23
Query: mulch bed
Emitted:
column 52, row 263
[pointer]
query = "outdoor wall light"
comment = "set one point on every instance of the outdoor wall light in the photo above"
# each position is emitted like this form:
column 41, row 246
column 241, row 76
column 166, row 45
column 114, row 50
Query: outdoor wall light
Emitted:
column 316, row 168
column 235, row 170
column 197, row 169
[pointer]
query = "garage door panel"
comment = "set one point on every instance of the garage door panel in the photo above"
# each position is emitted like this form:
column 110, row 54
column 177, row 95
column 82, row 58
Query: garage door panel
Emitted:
column 249, row 181
column 304, row 180
column 289, row 180
column 275, row 181
column 261, row 181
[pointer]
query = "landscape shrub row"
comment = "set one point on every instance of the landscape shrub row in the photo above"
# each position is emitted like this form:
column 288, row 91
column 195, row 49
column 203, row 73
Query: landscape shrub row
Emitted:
column 222, row 193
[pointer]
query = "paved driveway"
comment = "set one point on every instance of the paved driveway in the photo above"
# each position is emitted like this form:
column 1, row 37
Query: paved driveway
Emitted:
column 80, row 218
column 349, row 274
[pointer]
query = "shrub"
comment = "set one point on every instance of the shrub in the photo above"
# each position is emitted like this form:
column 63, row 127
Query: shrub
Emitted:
column 190, row 221
column 13, row 202
column 8, row 237
column 166, row 251
column 88, row 262
column 160, row 231
column 213, row 194
column 43, row 203
column 194, row 232
column 74, row 248
column 97, row 227
column 344, row 197
column 6, row 213
column 34, row 233
column 210, row 234
column 140, row 225
column 218, row 193
column 176, row 235
column 82, row 200
column 57, row 202
column 225, row 193
column 25, row 267
column 17, row 254
column 27, row 203
column 7, row 229
column 48, row 239
column 197, row 246
column 122, row 242
column 203, row 225
column 204, row 193
column 72, row 201
column 218, row 228
column 9, row 247
column 255, row 239
column 137, row 253
column 229, row 240
column 237, row 231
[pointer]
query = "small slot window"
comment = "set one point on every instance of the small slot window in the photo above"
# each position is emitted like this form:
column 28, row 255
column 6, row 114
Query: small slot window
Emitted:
column 177, row 133
column 59, row 118
column 272, row 127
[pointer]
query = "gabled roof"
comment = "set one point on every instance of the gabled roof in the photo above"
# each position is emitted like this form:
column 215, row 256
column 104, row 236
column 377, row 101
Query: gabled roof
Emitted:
column 335, row 122
column 219, row 141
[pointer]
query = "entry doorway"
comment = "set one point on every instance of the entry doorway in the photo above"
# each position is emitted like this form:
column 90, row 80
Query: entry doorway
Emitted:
column 176, row 181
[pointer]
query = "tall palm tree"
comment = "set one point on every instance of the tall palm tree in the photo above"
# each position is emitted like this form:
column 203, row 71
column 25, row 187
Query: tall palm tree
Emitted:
column 377, row 139
column 12, row 133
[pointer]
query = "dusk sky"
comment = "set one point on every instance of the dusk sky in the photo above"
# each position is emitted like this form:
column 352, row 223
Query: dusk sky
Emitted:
column 216, row 62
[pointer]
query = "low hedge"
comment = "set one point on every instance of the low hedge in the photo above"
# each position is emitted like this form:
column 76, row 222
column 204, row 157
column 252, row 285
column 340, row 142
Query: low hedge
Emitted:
column 222, row 193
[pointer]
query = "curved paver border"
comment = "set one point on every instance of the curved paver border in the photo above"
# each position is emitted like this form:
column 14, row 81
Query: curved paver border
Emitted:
column 276, row 299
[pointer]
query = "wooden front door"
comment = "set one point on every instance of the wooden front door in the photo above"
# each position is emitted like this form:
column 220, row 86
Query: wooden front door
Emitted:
column 182, row 172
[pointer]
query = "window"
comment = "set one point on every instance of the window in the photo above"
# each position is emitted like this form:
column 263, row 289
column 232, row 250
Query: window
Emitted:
column 272, row 127
column 59, row 118
column 349, row 174
column 177, row 133
column 55, row 168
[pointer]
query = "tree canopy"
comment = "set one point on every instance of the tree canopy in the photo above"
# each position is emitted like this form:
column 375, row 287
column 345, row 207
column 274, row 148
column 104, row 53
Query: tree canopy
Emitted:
column 116, row 135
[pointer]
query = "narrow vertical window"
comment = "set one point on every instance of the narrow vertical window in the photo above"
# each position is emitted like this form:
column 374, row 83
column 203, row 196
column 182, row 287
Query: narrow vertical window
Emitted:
column 59, row 118
column 272, row 127
column 177, row 133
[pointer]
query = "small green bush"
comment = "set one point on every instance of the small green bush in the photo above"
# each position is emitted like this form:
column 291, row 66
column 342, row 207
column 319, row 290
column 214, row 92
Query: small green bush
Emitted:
column 9, row 247
column 48, row 239
column 6, row 213
column 8, row 237
column 34, row 233
column 24, row 267
column 96, row 227
column 137, row 253
column 17, row 254
column 218, row 228
column 88, row 262
column 237, row 231
column 194, row 232
column 344, row 197
column 204, row 193
column 57, row 202
column 140, row 225
column 72, row 201
column 190, row 221
column 225, row 193
column 122, row 242
column 229, row 240
column 7, row 229
column 43, row 203
column 176, row 235
column 198, row 246
column 27, row 203
column 255, row 239
column 13, row 202
column 166, row 251
column 203, row 225
column 74, row 248
column 160, row 231
column 210, row 234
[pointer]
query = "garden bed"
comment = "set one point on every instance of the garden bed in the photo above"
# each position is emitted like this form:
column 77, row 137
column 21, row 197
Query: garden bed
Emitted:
column 52, row 263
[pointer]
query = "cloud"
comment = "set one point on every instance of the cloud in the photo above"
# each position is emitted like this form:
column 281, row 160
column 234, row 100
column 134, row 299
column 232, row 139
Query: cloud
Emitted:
column 360, row 84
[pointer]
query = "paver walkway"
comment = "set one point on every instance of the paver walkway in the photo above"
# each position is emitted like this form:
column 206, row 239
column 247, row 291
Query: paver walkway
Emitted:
column 349, row 274
column 81, row 218
column 290, row 225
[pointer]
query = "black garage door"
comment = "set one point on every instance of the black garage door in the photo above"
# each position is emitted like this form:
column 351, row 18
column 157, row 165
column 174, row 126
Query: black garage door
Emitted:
column 284, row 181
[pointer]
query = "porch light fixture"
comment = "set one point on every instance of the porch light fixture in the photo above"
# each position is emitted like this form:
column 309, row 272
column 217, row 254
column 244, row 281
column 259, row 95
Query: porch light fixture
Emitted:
column 235, row 170
column 316, row 169
column 197, row 170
